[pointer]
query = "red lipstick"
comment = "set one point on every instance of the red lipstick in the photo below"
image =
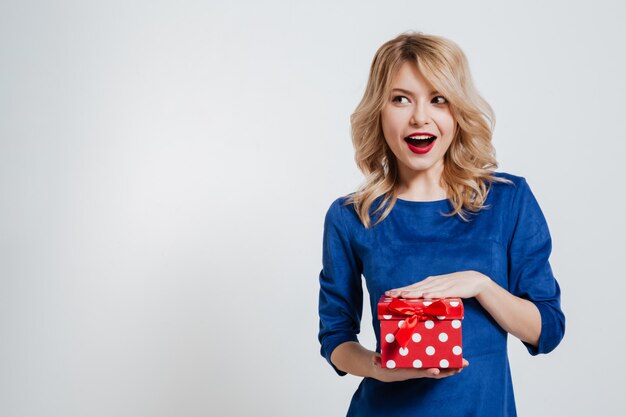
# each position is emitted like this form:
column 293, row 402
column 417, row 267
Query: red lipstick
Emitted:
column 420, row 134
column 420, row 150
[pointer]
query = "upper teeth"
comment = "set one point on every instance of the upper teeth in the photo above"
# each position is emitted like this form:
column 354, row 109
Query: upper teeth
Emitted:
column 420, row 137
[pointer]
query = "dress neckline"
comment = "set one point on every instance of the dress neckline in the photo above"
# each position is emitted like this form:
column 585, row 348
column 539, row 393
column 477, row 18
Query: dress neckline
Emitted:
column 434, row 203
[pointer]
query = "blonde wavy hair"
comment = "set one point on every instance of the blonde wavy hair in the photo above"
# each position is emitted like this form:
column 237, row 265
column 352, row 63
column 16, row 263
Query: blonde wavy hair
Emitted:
column 469, row 162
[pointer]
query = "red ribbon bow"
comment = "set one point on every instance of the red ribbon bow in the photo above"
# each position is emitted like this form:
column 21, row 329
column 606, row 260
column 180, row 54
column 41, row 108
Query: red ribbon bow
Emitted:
column 414, row 314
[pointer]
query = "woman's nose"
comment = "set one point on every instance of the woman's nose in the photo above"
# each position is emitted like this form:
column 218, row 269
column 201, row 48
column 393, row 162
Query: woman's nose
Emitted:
column 420, row 115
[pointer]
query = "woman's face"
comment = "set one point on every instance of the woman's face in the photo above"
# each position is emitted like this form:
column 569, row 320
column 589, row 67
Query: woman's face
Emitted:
column 414, row 110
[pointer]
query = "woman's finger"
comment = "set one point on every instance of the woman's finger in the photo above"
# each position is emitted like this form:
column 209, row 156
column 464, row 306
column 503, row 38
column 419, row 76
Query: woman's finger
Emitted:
column 436, row 288
column 414, row 286
column 429, row 286
column 441, row 293
column 411, row 294
column 394, row 292
column 448, row 372
column 377, row 360
column 422, row 285
column 430, row 279
column 402, row 374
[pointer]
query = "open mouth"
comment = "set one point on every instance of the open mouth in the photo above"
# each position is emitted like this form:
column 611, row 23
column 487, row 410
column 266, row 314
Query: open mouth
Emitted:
column 420, row 143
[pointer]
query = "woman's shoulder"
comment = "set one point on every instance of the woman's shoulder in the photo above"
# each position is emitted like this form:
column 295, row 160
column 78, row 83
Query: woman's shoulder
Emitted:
column 343, row 209
column 515, row 193
column 515, row 180
column 506, row 190
column 519, row 201
column 508, row 184
column 341, row 203
column 340, row 207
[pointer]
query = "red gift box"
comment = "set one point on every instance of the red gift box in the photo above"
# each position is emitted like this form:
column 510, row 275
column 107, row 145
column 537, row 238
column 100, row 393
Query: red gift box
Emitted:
column 420, row 332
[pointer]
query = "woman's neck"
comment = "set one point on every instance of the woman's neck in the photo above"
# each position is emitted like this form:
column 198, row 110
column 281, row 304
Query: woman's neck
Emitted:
column 421, row 186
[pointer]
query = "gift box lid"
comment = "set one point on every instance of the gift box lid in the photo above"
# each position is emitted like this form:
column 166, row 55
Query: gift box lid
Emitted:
column 440, row 308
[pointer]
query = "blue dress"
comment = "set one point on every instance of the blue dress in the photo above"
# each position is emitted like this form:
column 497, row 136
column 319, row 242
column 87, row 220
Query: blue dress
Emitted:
column 509, row 242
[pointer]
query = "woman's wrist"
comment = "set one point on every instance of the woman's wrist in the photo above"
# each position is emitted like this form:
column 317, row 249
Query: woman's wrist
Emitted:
column 515, row 315
column 353, row 358
column 484, row 284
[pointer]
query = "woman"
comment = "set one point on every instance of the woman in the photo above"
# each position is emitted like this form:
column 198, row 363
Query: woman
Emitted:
column 434, row 219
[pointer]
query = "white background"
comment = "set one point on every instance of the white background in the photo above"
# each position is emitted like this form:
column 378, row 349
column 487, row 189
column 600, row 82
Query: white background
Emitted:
column 165, row 168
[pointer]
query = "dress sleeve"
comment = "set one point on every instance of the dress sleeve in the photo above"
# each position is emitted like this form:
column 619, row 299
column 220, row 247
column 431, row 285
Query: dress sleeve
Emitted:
column 530, row 274
column 341, row 292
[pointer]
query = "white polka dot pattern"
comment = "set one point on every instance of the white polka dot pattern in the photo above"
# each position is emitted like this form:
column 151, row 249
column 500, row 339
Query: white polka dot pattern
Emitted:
column 433, row 342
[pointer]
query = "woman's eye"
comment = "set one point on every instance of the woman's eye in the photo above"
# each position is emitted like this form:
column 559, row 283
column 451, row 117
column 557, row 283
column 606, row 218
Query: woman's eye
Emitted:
column 399, row 98
column 440, row 100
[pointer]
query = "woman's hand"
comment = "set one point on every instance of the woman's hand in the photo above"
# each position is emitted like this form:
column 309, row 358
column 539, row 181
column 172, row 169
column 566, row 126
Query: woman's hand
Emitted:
column 463, row 284
column 353, row 358
column 515, row 315
column 402, row 374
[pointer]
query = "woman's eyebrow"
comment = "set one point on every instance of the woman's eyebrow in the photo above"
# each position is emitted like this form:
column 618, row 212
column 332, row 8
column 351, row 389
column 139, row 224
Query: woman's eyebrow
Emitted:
column 402, row 90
